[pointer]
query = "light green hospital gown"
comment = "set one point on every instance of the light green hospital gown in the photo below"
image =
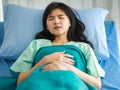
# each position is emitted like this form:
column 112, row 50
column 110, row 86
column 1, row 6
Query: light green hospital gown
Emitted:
column 26, row 59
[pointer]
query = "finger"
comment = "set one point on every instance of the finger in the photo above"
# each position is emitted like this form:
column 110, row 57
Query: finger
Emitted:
column 68, row 55
column 49, row 67
column 45, row 67
column 69, row 61
column 62, row 52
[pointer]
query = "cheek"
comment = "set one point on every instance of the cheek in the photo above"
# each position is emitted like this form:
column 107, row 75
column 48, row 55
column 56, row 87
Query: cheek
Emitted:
column 67, row 23
column 48, row 25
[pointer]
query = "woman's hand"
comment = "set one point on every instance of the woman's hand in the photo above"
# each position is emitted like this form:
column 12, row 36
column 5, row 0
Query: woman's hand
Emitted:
column 55, row 66
column 57, row 57
column 58, row 65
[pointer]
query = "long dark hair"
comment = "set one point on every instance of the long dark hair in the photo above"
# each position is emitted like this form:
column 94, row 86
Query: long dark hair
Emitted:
column 75, row 32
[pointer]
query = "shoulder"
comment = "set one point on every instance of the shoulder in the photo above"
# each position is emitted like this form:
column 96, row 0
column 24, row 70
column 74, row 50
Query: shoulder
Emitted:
column 82, row 45
column 38, row 43
column 41, row 42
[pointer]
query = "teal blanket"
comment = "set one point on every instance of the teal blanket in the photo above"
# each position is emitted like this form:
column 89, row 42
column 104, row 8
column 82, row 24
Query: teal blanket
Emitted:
column 58, row 79
column 8, row 83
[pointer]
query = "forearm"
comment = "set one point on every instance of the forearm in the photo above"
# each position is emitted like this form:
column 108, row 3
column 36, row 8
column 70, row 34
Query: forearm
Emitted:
column 96, row 81
column 24, row 75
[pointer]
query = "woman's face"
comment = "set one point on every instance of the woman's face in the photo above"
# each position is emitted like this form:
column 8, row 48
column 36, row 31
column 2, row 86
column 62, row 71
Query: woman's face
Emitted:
column 58, row 23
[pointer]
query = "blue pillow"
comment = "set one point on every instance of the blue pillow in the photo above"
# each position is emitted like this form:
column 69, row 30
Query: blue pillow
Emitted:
column 94, row 18
column 22, row 23
column 20, row 27
column 1, row 33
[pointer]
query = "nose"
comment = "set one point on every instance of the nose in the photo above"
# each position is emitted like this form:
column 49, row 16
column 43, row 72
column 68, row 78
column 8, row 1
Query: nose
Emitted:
column 56, row 20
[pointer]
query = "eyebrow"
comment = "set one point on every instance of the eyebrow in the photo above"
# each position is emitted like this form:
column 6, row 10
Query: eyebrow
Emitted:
column 50, row 16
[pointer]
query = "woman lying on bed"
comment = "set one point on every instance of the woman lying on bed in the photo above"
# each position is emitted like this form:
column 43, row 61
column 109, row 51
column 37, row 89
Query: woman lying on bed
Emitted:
column 61, row 58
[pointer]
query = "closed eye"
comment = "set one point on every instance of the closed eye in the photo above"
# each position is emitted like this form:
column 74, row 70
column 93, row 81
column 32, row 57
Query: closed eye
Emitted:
column 61, row 17
column 50, row 18
column 58, row 16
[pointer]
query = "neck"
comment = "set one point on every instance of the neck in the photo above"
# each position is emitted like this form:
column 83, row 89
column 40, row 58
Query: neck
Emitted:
column 60, row 41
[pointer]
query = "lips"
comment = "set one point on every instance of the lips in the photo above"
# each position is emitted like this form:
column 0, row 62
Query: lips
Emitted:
column 57, row 27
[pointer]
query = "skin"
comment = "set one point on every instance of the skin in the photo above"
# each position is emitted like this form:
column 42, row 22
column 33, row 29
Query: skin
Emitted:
column 58, row 24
